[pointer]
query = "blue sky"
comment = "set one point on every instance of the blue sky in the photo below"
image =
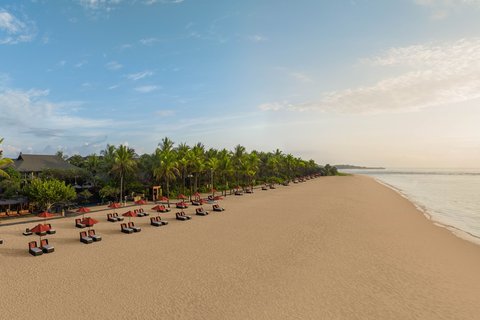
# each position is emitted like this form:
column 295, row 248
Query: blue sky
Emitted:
column 392, row 83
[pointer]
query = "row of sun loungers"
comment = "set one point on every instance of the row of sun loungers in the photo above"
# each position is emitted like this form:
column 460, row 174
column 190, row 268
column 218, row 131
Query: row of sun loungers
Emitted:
column 157, row 221
column 114, row 217
column 51, row 231
column 129, row 228
column 44, row 247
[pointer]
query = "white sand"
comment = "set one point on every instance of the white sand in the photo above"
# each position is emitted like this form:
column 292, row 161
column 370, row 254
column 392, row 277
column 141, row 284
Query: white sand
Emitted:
column 329, row 248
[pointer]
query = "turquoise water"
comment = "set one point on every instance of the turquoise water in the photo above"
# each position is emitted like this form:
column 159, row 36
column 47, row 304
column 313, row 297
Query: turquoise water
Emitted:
column 449, row 197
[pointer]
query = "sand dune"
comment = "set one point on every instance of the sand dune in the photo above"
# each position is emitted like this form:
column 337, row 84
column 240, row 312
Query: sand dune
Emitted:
column 329, row 248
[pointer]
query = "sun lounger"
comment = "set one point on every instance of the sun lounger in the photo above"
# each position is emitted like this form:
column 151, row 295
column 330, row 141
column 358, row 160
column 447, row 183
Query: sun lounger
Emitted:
column 111, row 218
column 115, row 215
column 46, row 248
column 94, row 236
column 143, row 212
column 1, row 241
column 196, row 203
column 12, row 214
column 132, row 226
column 264, row 188
column 138, row 213
column 33, row 249
column 238, row 193
column 216, row 207
column 201, row 212
column 160, row 220
column 78, row 224
column 181, row 205
column 84, row 238
column 51, row 231
column 126, row 229
column 181, row 216
column 23, row 212
column 155, row 223
column 3, row 214
column 249, row 191
column 27, row 232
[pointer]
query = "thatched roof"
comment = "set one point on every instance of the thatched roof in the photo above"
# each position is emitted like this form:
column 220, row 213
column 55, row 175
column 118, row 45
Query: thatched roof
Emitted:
column 38, row 163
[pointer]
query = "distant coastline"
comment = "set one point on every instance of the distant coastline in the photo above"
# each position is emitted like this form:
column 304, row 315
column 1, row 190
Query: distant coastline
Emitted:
column 349, row 166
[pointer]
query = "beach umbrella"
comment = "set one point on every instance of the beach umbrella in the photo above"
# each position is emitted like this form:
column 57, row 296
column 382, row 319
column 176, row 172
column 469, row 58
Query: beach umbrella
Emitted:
column 89, row 221
column 45, row 215
column 40, row 229
column 114, row 205
column 163, row 199
column 182, row 196
column 140, row 202
column 83, row 210
column 129, row 214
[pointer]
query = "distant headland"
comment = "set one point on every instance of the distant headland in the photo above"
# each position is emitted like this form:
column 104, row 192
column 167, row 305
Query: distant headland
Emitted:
column 349, row 166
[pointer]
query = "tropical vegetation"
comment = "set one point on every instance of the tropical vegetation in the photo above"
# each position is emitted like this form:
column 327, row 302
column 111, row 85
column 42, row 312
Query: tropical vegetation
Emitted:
column 118, row 172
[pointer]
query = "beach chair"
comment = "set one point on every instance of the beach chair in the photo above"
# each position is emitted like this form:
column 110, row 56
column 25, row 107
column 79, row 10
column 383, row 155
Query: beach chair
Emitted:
column 132, row 226
column 196, row 203
column 94, row 236
column 85, row 238
column 163, row 209
column 78, row 224
column 238, row 193
column 51, row 231
column 264, row 188
column 46, row 248
column 27, row 232
column 217, row 208
column 12, row 214
column 201, row 212
column 249, row 190
column 111, row 218
column 126, row 229
column 182, row 217
column 155, row 223
column 33, row 249
column 115, row 215
column 1, row 241
column 160, row 220
column 143, row 212
column 3, row 214
column 23, row 212
column 181, row 205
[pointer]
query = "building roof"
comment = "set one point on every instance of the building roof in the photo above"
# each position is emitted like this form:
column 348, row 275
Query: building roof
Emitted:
column 39, row 162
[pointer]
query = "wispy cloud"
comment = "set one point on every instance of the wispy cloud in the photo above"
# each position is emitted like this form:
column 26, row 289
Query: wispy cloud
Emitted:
column 442, row 8
column 165, row 113
column 147, row 89
column 257, row 38
column 301, row 76
column 150, row 2
column 113, row 65
column 148, row 41
column 140, row 75
column 14, row 30
column 433, row 74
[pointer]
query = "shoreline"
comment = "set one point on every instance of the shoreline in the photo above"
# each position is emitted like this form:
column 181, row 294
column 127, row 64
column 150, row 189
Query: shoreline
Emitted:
column 462, row 234
column 330, row 248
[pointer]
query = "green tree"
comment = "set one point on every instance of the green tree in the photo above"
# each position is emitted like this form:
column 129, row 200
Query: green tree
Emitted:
column 46, row 193
column 4, row 162
column 123, row 163
column 165, row 167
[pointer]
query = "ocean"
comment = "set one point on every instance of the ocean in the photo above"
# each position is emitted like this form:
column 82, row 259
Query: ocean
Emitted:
column 450, row 198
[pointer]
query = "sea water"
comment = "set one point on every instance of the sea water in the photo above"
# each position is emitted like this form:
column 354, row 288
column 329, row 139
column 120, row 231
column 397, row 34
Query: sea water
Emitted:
column 451, row 198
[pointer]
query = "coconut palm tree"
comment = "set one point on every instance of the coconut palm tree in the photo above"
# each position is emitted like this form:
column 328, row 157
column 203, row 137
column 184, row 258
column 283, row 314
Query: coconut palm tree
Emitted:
column 4, row 162
column 213, row 164
column 123, row 163
column 165, row 167
column 225, row 166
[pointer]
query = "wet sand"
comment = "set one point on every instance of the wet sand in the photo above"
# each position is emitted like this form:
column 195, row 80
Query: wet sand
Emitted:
column 329, row 248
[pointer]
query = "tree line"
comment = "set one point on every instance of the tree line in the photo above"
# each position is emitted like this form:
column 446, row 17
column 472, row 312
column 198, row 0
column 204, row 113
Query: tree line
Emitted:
column 118, row 171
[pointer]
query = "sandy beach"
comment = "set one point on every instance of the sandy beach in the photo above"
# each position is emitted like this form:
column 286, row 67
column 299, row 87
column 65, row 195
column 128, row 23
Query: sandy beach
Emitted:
column 329, row 248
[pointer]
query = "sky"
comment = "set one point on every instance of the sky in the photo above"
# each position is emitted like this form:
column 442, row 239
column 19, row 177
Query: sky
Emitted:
column 373, row 82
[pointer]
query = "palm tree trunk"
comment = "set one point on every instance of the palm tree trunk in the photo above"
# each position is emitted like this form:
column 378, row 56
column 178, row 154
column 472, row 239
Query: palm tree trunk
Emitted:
column 121, row 188
column 168, row 193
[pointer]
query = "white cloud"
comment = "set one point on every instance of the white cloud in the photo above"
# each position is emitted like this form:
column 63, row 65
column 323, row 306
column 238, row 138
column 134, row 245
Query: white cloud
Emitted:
column 148, row 41
column 113, row 65
column 300, row 76
column 165, row 113
column 139, row 75
column 433, row 74
column 257, row 38
column 147, row 89
column 150, row 2
column 442, row 8
column 14, row 30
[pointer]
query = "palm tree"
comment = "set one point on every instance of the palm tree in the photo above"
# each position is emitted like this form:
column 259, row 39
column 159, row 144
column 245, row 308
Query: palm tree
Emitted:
column 123, row 163
column 213, row 164
column 4, row 162
column 225, row 166
column 165, row 167
column 197, row 160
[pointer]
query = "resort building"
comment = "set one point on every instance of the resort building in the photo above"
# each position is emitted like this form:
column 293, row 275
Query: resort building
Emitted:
column 32, row 164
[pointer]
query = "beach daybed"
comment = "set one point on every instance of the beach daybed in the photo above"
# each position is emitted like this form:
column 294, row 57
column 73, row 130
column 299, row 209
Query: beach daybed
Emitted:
column 111, row 218
column 94, row 236
column 132, row 226
column 51, row 231
column 126, row 229
column 46, row 248
column 182, row 216
column 84, row 238
column 216, row 207
column 27, row 232
column 33, row 249
column 201, row 212
column 78, row 223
